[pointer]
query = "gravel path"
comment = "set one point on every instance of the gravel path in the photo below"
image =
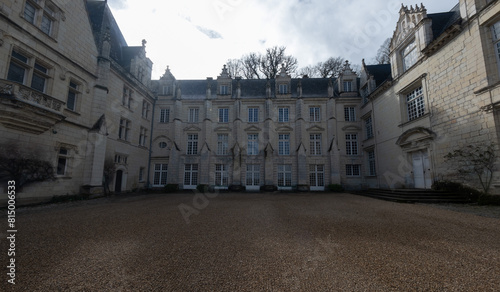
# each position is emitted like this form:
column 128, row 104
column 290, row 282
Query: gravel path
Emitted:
column 252, row 242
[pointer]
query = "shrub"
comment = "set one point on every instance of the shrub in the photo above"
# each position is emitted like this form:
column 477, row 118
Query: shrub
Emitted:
column 489, row 200
column 202, row 188
column 470, row 193
column 171, row 188
column 336, row 188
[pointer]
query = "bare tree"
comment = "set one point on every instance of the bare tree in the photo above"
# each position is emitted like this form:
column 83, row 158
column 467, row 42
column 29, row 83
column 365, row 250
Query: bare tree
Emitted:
column 234, row 67
column 382, row 56
column 23, row 167
column 274, row 58
column 309, row 71
column 330, row 68
column 474, row 161
column 250, row 65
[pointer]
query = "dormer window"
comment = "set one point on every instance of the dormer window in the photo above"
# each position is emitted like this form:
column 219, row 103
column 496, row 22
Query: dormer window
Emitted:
column 224, row 90
column 166, row 90
column 283, row 88
column 48, row 11
column 347, row 86
column 409, row 55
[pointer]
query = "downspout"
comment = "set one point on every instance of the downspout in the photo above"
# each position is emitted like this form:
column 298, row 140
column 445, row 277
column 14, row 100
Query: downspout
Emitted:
column 151, row 143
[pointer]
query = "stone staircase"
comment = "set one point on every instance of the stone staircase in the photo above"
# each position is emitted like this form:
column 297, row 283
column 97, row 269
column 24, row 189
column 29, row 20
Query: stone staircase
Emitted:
column 413, row 195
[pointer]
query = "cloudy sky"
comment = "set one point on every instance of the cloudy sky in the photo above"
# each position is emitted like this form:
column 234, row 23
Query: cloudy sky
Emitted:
column 196, row 37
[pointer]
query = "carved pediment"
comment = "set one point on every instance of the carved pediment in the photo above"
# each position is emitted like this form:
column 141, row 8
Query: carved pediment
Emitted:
column 192, row 128
column 351, row 128
column 162, row 137
column 415, row 135
column 315, row 128
column 284, row 129
column 222, row 129
column 60, row 145
column 253, row 129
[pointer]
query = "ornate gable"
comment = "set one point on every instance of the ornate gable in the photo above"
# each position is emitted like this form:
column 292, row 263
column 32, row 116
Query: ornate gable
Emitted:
column 408, row 21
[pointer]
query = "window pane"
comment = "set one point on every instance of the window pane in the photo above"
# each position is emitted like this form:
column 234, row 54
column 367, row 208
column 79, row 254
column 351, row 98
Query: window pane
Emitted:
column 29, row 12
column 38, row 82
column 61, row 166
column 70, row 104
column 16, row 73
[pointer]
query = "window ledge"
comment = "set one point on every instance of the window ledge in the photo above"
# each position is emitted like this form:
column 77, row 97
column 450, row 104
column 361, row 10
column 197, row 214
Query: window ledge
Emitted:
column 72, row 111
column 414, row 120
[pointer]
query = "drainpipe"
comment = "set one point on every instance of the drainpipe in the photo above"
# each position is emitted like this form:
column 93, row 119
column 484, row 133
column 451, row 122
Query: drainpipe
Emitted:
column 151, row 142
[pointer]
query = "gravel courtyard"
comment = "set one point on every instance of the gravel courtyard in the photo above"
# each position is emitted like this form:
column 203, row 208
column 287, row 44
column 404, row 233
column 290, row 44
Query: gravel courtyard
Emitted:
column 251, row 242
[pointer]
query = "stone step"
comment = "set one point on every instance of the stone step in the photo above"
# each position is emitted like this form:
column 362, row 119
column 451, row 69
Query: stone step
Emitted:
column 414, row 196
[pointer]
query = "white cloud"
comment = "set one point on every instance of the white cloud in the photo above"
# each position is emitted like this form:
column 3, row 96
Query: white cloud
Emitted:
column 196, row 37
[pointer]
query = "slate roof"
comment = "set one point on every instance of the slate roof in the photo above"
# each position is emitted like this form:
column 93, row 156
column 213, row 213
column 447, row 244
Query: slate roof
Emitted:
column 102, row 22
column 442, row 21
column 253, row 88
column 380, row 72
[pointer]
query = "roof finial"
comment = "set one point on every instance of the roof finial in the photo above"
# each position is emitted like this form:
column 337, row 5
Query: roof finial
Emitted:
column 144, row 42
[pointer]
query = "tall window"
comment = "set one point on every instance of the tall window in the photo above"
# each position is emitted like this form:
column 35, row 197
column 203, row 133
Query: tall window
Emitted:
column 283, row 114
column 314, row 114
column 223, row 115
column 496, row 40
column 351, row 144
column 369, row 127
column 145, row 109
column 29, row 12
column 353, row 170
column 221, row 176
column 315, row 144
column 284, row 144
column 143, row 136
column 39, row 79
column 415, row 104
column 164, row 115
column 191, row 174
column 193, row 115
column 47, row 21
column 284, row 175
column 222, row 144
column 73, row 94
column 124, row 130
column 349, row 114
column 127, row 100
column 20, row 67
column 166, row 90
column 62, row 161
column 253, row 115
column 224, row 90
column 371, row 163
column 409, row 55
column 192, row 144
column 253, row 175
column 141, row 174
column 160, row 174
column 316, row 175
column 347, row 86
column 283, row 88
column 253, row 144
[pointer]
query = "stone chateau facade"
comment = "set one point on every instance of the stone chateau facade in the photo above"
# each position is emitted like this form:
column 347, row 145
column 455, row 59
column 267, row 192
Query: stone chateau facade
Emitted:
column 86, row 103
